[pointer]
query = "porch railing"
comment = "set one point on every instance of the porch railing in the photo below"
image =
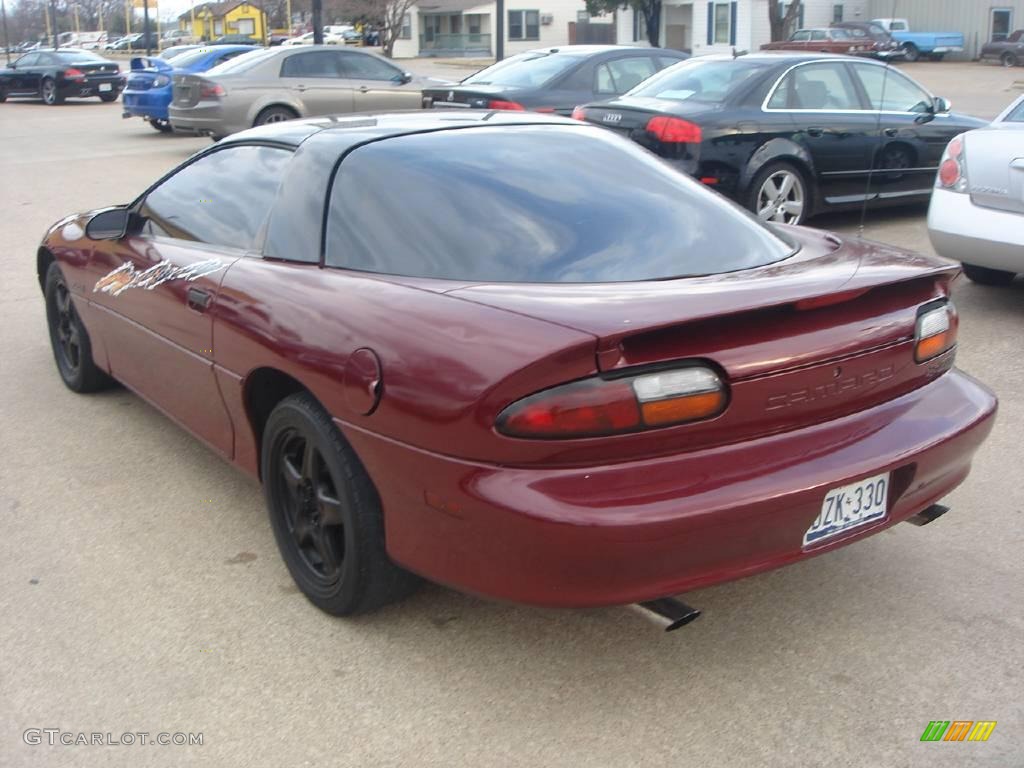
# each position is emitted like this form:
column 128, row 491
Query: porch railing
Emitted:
column 450, row 42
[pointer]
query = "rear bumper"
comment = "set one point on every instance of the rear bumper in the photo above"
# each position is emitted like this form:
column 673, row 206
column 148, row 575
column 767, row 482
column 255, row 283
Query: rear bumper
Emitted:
column 199, row 121
column 148, row 104
column 616, row 534
column 963, row 231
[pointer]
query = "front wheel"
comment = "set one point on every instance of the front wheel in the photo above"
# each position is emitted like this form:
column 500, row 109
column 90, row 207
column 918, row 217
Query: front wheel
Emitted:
column 779, row 193
column 986, row 276
column 164, row 126
column 3, row 95
column 910, row 52
column 72, row 350
column 108, row 97
column 274, row 115
column 1008, row 59
column 48, row 92
column 325, row 512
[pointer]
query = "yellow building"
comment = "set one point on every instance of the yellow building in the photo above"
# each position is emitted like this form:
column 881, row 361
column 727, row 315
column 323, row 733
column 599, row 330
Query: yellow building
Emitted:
column 212, row 20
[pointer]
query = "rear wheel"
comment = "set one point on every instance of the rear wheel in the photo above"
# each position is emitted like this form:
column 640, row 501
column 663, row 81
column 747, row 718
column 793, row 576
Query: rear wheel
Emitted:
column 164, row 126
column 779, row 193
column 71, row 347
column 3, row 95
column 325, row 512
column 986, row 276
column 910, row 52
column 1008, row 59
column 108, row 97
column 274, row 115
column 48, row 92
column 936, row 56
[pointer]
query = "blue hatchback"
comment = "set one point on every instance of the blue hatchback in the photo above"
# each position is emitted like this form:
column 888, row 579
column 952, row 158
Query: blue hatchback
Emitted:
column 147, row 93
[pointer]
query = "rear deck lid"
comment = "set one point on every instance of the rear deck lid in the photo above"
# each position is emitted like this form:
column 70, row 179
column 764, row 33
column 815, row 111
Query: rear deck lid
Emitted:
column 995, row 167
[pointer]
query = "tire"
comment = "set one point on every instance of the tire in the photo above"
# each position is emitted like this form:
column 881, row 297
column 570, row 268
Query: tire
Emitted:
column 986, row 276
column 274, row 115
column 72, row 350
column 786, row 201
column 164, row 126
column 48, row 92
column 106, row 98
column 910, row 52
column 3, row 95
column 936, row 56
column 325, row 512
column 1008, row 59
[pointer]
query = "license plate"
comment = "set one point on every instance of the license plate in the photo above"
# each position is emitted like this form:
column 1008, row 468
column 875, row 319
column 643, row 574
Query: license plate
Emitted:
column 105, row 87
column 850, row 506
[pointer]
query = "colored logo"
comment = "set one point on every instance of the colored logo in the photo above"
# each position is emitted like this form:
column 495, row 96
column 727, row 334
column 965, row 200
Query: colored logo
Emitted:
column 958, row 730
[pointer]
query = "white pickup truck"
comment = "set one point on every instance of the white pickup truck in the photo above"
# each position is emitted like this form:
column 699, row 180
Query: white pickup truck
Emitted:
column 914, row 45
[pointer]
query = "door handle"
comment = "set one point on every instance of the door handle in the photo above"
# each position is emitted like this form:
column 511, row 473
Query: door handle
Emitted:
column 363, row 89
column 198, row 299
column 816, row 132
column 300, row 88
column 891, row 132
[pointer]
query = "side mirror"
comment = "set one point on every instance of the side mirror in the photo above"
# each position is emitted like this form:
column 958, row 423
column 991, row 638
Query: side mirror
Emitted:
column 110, row 224
column 942, row 105
column 406, row 77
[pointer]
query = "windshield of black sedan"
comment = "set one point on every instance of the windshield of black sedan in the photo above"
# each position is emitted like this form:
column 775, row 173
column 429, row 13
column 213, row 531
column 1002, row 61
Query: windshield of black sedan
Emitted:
column 695, row 80
column 533, row 204
column 525, row 70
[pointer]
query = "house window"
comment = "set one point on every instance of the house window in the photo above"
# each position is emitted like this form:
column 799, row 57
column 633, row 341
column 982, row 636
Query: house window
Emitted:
column 1001, row 23
column 639, row 26
column 524, row 25
column 247, row 27
column 455, row 24
column 837, row 13
column 723, row 16
column 218, row 27
column 473, row 22
column 406, row 32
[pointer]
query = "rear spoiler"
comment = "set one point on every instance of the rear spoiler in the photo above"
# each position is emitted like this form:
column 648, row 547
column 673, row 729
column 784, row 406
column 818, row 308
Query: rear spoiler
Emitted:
column 150, row 62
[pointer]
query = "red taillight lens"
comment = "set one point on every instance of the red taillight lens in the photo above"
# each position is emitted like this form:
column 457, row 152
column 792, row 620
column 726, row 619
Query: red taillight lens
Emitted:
column 211, row 91
column 673, row 130
column 596, row 407
column 74, row 74
column 949, row 172
column 510, row 105
column 579, row 113
column 953, row 167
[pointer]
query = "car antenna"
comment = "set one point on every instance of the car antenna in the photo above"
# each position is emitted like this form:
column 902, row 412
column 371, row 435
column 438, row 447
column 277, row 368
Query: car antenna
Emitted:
column 736, row 54
column 878, row 133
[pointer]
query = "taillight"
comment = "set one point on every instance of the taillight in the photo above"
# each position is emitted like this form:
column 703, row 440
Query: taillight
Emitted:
column 161, row 80
column 935, row 332
column 511, row 105
column 74, row 74
column 211, row 91
column 673, row 130
column 579, row 113
column 594, row 407
column 953, row 167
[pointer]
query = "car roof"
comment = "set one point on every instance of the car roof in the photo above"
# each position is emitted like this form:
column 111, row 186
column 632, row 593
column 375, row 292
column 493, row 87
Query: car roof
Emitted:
column 337, row 133
column 590, row 50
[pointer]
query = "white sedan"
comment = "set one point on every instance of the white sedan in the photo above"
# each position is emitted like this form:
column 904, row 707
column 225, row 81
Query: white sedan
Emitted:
column 330, row 38
column 976, row 214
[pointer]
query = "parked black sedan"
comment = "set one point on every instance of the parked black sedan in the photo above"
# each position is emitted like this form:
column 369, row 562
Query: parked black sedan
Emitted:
column 788, row 136
column 57, row 75
column 556, row 79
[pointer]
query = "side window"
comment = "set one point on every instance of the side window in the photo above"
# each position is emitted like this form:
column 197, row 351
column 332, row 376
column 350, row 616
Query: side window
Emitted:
column 221, row 199
column 360, row 66
column 889, row 91
column 818, row 34
column 801, row 37
column 603, row 82
column 312, row 64
column 628, row 73
column 226, row 57
column 818, row 87
column 581, row 79
column 28, row 60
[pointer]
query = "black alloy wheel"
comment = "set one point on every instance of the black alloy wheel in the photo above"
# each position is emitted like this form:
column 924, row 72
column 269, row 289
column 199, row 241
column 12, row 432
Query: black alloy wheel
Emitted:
column 158, row 124
column 48, row 92
column 72, row 349
column 325, row 512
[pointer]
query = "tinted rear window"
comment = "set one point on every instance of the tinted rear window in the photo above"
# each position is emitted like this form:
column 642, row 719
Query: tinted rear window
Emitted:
column 695, row 80
column 544, row 204
column 527, row 70
column 70, row 57
column 244, row 62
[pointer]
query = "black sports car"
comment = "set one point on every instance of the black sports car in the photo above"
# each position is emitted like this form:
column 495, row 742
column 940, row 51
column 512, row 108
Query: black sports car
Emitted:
column 57, row 75
column 556, row 79
column 791, row 135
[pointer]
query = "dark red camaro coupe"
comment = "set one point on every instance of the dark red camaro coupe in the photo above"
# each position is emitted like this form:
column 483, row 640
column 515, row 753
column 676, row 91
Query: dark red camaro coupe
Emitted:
column 517, row 355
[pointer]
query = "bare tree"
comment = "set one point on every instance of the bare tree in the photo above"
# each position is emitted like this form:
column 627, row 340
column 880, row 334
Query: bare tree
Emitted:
column 783, row 25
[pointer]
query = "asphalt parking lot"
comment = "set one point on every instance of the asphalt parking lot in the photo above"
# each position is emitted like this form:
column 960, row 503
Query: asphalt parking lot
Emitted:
column 142, row 590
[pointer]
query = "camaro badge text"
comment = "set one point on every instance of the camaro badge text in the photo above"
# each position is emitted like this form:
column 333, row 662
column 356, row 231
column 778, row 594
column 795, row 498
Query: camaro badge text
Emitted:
column 126, row 276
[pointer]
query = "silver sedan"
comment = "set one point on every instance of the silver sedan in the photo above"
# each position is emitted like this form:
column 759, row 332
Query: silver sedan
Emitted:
column 274, row 84
column 976, row 214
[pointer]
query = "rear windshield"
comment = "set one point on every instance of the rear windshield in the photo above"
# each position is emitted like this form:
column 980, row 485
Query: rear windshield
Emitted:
column 525, row 70
column 533, row 204
column 244, row 62
column 695, row 80
column 70, row 57
column 1015, row 115
column 188, row 58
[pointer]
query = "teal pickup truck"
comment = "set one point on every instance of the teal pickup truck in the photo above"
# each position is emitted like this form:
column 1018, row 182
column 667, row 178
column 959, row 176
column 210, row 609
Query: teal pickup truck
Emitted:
column 914, row 45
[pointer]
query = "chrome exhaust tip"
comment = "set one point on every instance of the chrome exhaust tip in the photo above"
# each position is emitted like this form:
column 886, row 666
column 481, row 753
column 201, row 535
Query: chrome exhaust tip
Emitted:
column 667, row 612
column 925, row 516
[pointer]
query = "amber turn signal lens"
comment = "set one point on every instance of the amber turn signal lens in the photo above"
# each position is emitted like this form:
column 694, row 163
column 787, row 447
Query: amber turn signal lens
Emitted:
column 682, row 409
column 935, row 333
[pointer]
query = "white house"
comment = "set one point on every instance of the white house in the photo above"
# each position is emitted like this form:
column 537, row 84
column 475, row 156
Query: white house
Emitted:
column 467, row 27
